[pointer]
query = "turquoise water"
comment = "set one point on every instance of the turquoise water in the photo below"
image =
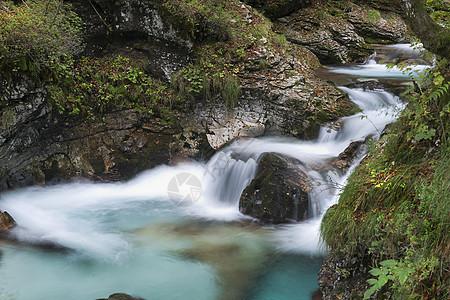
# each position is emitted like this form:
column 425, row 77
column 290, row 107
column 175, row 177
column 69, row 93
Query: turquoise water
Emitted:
column 147, row 248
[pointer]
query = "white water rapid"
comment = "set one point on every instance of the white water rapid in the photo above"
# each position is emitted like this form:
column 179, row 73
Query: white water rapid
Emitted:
column 131, row 237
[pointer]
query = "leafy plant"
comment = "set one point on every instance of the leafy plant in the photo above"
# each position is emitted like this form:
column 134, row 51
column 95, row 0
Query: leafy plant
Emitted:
column 389, row 270
column 93, row 86
column 38, row 34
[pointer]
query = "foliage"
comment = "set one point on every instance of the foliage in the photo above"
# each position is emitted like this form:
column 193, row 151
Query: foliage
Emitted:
column 389, row 270
column 93, row 86
column 395, row 206
column 201, row 19
column 219, row 65
column 38, row 34
column 439, row 11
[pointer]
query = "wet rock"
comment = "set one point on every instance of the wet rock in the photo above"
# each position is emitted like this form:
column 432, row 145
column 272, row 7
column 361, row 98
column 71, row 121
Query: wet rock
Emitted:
column 6, row 222
column 122, row 296
column 279, row 192
column 346, row 158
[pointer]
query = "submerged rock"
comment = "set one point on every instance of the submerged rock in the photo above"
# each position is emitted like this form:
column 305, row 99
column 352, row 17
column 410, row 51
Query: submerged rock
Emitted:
column 279, row 192
column 6, row 221
column 122, row 296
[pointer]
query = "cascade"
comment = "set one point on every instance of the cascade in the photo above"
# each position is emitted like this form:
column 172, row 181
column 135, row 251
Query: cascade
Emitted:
column 111, row 232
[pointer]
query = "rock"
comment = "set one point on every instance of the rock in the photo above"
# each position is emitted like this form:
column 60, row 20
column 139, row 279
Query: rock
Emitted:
column 134, row 28
column 38, row 146
column 332, row 38
column 377, row 26
column 285, row 99
column 279, row 192
column 122, row 296
column 345, row 278
column 6, row 222
column 346, row 158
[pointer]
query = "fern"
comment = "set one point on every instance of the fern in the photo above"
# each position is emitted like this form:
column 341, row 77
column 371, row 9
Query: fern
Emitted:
column 440, row 91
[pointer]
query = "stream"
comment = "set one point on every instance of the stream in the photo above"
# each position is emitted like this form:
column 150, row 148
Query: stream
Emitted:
column 143, row 238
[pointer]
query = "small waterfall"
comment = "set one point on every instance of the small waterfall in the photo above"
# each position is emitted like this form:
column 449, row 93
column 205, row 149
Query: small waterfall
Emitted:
column 227, row 176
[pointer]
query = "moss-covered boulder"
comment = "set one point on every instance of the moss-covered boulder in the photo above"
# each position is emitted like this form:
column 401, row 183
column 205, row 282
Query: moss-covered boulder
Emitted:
column 279, row 192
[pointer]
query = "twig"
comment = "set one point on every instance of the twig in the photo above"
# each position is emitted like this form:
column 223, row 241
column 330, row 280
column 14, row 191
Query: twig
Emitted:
column 107, row 26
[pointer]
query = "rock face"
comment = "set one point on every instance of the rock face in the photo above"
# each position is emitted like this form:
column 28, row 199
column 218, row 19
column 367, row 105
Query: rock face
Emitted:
column 340, row 35
column 283, row 98
column 6, row 222
column 133, row 28
column 39, row 146
column 280, row 95
column 279, row 192
column 387, row 27
column 333, row 40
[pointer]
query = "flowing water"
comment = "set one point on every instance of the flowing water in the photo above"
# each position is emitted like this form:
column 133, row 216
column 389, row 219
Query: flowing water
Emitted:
column 89, row 240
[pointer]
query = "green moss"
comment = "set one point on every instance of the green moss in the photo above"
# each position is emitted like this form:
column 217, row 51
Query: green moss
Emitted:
column 373, row 15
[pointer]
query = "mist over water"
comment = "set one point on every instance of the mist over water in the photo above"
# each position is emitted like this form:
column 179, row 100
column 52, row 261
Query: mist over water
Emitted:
column 132, row 237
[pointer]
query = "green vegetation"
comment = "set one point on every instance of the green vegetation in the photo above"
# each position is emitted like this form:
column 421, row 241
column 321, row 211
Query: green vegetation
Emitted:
column 225, row 39
column 37, row 35
column 95, row 85
column 439, row 11
column 395, row 206
column 373, row 15
column 40, row 39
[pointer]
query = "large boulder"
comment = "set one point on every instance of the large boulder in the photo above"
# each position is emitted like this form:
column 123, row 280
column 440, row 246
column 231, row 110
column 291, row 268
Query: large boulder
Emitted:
column 279, row 192
column 6, row 222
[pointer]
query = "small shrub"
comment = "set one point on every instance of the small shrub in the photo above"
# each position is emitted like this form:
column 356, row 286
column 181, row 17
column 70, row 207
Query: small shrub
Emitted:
column 38, row 34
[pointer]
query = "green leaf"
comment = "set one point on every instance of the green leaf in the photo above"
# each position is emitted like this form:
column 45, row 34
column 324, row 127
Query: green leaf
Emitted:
column 382, row 280
column 376, row 272
column 388, row 263
column 369, row 292
column 403, row 275
column 372, row 281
